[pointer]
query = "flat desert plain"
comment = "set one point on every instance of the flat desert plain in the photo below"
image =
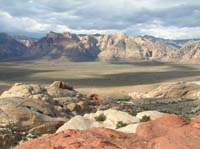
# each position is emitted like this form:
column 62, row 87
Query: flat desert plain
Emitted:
column 104, row 78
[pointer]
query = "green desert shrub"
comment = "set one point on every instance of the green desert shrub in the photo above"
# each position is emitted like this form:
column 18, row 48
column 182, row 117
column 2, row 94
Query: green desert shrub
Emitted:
column 120, row 124
column 133, row 113
column 100, row 118
column 123, row 99
column 145, row 118
column 187, row 117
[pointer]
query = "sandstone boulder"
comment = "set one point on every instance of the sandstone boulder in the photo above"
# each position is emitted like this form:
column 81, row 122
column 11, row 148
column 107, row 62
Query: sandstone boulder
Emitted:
column 131, row 128
column 60, row 89
column 171, row 90
column 61, row 85
column 170, row 131
column 112, row 117
column 72, row 106
column 183, row 137
column 26, row 114
column 32, row 91
column 79, row 123
column 98, row 138
column 62, row 97
column 110, row 120
column 160, row 126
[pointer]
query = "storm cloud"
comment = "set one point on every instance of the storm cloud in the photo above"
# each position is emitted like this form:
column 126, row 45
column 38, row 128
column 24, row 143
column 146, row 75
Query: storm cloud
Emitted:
column 175, row 19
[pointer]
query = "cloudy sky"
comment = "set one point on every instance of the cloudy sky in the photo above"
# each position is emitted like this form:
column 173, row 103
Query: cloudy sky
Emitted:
column 175, row 19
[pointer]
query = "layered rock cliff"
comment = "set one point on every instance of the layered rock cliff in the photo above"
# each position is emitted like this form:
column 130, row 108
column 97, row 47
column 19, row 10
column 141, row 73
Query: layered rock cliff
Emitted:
column 10, row 48
column 117, row 46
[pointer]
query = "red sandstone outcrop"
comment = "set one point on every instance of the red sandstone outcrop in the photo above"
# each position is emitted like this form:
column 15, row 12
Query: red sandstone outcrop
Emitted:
column 196, row 122
column 87, row 139
column 167, row 132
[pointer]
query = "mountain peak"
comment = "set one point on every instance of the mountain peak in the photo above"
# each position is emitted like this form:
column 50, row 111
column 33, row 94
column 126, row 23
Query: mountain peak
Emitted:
column 52, row 34
column 120, row 34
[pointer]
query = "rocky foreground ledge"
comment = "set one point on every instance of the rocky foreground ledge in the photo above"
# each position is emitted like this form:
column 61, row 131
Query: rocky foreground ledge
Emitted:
column 167, row 132
column 31, row 110
column 75, row 120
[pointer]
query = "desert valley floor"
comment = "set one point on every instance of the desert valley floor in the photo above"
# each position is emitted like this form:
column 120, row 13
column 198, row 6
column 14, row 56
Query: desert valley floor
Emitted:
column 105, row 78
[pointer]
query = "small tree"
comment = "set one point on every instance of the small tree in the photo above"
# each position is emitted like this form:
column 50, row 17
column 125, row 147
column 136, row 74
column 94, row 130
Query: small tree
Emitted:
column 145, row 118
column 120, row 124
column 100, row 118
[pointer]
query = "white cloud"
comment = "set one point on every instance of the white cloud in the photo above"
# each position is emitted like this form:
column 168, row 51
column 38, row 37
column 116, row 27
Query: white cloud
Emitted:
column 27, row 24
column 93, row 31
column 169, row 32
column 175, row 18
column 31, row 25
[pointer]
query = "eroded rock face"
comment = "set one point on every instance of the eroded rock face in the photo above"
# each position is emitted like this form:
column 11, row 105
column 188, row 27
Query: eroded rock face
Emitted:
column 86, row 139
column 31, row 91
column 30, row 109
column 102, row 47
column 120, row 46
column 115, row 46
column 131, row 128
column 10, row 47
column 112, row 117
column 106, row 119
column 25, row 115
column 171, row 90
column 7, row 137
column 60, row 95
column 60, row 89
column 190, row 53
column 169, row 131
column 61, row 85
column 79, row 123
column 196, row 122
column 160, row 126
column 67, row 45
column 34, row 109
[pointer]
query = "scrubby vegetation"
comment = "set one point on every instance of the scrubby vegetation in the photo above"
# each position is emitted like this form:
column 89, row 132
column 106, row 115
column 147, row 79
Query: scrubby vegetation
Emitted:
column 133, row 113
column 145, row 118
column 100, row 118
column 120, row 124
column 125, row 99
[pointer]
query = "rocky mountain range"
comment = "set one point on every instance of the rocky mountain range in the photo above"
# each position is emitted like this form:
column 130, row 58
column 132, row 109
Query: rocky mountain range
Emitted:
column 190, row 53
column 76, row 47
column 10, row 47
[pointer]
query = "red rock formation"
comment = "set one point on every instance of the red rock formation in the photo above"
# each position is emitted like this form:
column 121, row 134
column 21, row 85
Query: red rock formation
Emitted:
column 167, row 132
column 160, row 126
column 179, row 135
column 96, row 98
column 90, row 139
column 196, row 122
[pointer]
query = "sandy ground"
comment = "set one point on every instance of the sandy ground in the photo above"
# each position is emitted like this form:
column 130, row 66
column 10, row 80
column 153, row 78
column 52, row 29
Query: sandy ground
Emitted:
column 118, row 91
column 108, row 79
